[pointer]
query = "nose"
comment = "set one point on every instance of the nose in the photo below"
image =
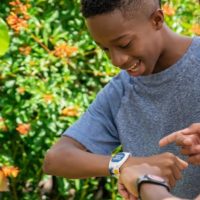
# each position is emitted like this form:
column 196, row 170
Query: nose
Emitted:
column 118, row 58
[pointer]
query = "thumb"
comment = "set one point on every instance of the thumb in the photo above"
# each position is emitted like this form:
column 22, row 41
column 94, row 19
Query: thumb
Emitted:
column 132, row 197
column 181, row 163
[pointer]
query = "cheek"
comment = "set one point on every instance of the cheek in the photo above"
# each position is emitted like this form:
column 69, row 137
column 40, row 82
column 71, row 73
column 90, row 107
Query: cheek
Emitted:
column 146, row 48
column 151, row 51
column 149, row 42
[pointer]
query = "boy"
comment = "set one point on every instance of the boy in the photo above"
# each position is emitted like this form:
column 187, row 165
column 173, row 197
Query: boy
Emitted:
column 154, row 94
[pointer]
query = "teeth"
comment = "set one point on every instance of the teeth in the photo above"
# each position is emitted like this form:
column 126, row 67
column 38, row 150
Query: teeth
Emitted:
column 134, row 67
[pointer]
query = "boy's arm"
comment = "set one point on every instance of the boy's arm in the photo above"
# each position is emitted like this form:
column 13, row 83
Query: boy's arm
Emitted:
column 68, row 158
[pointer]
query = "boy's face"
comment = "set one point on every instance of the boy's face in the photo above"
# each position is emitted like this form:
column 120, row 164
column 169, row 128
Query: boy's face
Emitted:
column 131, row 44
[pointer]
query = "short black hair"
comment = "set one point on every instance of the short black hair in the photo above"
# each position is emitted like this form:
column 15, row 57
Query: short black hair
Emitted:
column 91, row 8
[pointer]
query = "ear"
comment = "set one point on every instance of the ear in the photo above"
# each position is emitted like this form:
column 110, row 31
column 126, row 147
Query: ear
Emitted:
column 157, row 19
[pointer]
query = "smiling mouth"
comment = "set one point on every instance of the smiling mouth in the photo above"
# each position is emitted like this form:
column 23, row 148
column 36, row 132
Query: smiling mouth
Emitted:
column 134, row 67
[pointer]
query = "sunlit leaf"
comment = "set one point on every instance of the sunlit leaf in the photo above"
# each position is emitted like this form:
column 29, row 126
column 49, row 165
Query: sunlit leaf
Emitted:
column 4, row 38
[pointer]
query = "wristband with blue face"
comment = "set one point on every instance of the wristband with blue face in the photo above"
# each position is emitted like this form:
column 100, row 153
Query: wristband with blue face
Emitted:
column 117, row 161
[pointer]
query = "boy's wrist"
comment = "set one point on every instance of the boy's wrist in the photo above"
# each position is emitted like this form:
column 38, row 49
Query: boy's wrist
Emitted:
column 117, row 161
column 126, row 164
column 132, row 161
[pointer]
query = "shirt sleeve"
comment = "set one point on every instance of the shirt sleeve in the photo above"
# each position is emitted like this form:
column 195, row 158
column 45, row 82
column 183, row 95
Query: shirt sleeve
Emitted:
column 96, row 129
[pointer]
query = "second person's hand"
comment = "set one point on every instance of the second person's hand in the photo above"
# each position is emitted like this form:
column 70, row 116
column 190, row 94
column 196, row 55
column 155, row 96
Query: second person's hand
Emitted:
column 170, row 165
column 188, row 140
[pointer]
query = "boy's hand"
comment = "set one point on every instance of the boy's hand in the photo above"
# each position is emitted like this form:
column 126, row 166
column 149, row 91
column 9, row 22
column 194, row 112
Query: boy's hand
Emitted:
column 189, row 141
column 170, row 165
column 127, row 180
column 123, row 191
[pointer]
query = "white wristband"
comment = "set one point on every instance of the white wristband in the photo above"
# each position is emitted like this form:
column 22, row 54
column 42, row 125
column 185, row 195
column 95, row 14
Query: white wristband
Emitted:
column 117, row 161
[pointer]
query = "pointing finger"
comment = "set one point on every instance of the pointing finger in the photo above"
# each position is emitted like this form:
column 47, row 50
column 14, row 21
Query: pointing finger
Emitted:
column 168, row 139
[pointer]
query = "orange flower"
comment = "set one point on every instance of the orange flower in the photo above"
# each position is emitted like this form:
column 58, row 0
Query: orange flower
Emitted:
column 3, row 127
column 3, row 182
column 16, row 23
column 48, row 98
column 63, row 50
column 196, row 29
column 168, row 10
column 70, row 111
column 25, row 50
column 23, row 128
column 18, row 16
column 10, row 171
column 19, row 8
column 21, row 90
column 6, row 171
column 15, row 3
column 2, row 119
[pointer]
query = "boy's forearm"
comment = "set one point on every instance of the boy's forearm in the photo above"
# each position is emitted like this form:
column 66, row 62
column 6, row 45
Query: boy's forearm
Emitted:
column 83, row 165
column 73, row 162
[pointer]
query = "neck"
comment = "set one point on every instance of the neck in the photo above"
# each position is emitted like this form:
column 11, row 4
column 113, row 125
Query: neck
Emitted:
column 174, row 47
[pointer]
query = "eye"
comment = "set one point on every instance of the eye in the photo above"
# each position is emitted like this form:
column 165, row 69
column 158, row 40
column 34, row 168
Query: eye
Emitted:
column 101, row 47
column 104, row 48
column 125, row 46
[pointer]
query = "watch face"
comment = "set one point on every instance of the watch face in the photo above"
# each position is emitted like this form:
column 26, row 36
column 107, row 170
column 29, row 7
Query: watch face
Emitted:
column 118, row 157
column 157, row 178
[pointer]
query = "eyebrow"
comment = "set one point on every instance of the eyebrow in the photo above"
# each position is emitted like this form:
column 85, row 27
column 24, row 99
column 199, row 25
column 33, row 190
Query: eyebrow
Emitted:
column 118, row 38
column 114, row 40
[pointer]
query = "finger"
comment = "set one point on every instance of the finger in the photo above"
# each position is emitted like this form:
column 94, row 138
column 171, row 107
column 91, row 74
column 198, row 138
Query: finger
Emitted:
column 182, row 140
column 176, row 173
column 123, row 191
column 132, row 197
column 190, row 150
column 195, row 159
column 186, row 151
column 196, row 149
column 168, row 139
column 193, row 129
column 181, row 164
column 172, row 180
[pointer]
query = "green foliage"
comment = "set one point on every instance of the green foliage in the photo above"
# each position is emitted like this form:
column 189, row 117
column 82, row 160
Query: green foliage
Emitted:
column 4, row 37
column 46, row 84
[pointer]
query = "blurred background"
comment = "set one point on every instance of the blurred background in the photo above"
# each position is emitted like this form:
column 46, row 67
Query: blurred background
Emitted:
column 50, row 71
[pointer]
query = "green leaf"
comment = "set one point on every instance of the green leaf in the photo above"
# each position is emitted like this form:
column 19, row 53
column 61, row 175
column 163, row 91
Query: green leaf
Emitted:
column 4, row 37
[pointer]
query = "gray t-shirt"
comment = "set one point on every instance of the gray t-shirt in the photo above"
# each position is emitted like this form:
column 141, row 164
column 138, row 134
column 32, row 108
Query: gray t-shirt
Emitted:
column 137, row 112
